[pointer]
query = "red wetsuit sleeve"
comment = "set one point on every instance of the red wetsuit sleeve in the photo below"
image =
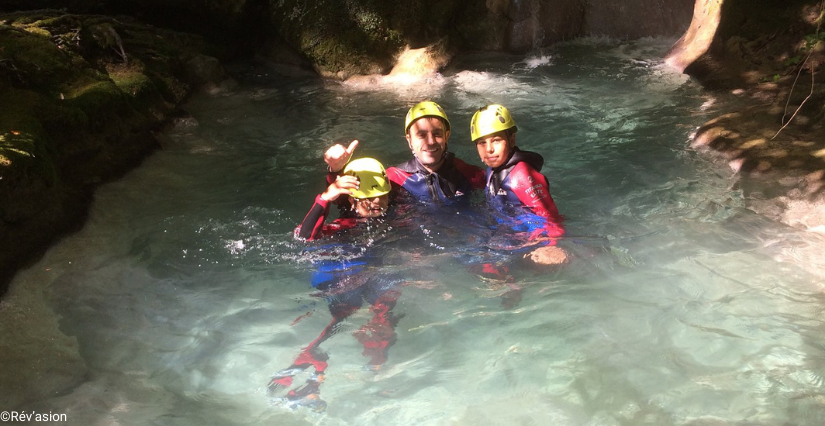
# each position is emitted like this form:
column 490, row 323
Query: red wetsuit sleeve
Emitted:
column 397, row 177
column 341, row 202
column 533, row 191
column 474, row 174
column 312, row 226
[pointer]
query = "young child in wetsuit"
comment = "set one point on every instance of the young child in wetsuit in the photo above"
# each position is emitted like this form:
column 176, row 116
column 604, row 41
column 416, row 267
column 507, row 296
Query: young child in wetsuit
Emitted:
column 514, row 178
column 346, row 283
column 365, row 183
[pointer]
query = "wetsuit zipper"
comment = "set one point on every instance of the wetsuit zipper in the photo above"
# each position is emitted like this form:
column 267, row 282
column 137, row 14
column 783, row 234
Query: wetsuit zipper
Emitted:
column 431, row 186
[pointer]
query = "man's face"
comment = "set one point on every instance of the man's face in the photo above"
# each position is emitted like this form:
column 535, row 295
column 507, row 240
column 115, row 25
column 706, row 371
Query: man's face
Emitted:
column 428, row 141
column 495, row 149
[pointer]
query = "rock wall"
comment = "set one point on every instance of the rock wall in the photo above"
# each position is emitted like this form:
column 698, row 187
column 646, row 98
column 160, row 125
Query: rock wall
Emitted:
column 340, row 38
column 770, row 54
column 532, row 24
column 734, row 43
column 81, row 95
column 632, row 19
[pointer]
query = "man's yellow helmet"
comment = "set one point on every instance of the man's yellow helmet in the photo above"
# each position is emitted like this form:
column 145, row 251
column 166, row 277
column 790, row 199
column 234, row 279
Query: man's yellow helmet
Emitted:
column 425, row 109
column 491, row 119
column 371, row 175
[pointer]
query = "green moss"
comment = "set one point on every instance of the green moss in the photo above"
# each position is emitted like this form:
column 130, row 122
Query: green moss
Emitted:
column 142, row 91
column 353, row 36
column 23, row 147
column 132, row 82
column 33, row 61
column 38, row 32
column 70, row 94
column 102, row 102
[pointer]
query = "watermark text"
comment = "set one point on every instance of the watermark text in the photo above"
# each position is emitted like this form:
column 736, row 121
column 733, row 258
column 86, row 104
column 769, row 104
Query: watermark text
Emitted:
column 31, row 416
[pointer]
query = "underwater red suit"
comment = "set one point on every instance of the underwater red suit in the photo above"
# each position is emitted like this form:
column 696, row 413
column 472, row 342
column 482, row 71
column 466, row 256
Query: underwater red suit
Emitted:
column 519, row 183
column 345, row 284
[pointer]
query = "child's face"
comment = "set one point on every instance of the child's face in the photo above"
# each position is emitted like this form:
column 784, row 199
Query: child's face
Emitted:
column 495, row 149
column 370, row 207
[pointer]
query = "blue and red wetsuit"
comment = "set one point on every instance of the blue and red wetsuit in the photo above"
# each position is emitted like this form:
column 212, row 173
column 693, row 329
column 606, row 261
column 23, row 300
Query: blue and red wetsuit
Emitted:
column 519, row 182
column 453, row 179
column 345, row 283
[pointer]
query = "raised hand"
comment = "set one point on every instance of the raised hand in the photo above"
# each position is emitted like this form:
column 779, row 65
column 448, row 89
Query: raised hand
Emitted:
column 337, row 156
column 343, row 185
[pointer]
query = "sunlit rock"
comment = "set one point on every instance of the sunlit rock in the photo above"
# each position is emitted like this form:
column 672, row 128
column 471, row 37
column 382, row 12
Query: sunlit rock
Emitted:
column 419, row 62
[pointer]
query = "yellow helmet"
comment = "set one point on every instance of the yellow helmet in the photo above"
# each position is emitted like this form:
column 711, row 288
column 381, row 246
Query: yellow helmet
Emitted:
column 491, row 119
column 371, row 175
column 425, row 109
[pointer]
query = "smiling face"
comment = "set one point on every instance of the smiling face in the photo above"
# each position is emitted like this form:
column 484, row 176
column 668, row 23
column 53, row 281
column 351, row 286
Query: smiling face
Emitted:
column 428, row 141
column 495, row 149
column 370, row 207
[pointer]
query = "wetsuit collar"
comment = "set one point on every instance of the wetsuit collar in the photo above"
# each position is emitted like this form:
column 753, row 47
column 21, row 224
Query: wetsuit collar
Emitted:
column 517, row 156
column 498, row 174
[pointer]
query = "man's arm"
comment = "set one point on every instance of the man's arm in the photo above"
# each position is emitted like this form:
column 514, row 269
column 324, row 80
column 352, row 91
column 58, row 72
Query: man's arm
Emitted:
column 474, row 174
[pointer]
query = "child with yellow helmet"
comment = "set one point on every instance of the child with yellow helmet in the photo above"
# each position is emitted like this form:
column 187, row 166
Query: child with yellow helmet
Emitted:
column 365, row 184
column 514, row 176
column 345, row 283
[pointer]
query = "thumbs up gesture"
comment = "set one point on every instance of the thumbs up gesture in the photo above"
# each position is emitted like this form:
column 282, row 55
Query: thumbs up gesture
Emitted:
column 337, row 156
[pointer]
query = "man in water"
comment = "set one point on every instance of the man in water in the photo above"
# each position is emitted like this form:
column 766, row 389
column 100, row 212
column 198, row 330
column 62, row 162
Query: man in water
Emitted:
column 434, row 173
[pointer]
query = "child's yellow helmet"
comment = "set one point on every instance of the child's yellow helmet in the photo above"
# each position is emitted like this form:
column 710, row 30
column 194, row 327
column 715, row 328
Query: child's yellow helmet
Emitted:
column 491, row 119
column 371, row 175
column 425, row 109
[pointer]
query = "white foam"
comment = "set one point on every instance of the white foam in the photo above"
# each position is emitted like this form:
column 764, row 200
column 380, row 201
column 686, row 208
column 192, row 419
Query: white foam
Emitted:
column 422, row 86
column 533, row 62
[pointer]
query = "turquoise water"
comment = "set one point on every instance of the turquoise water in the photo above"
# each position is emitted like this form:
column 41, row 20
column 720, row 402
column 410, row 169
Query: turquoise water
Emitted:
column 186, row 291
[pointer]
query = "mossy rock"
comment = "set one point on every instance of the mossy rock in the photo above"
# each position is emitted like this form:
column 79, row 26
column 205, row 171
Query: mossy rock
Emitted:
column 22, row 152
column 31, row 60
column 82, row 95
column 340, row 37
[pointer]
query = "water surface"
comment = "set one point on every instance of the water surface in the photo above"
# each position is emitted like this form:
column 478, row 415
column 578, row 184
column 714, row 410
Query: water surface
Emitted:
column 186, row 291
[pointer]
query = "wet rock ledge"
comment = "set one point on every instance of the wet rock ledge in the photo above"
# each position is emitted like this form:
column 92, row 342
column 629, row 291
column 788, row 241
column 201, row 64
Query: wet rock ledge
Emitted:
column 82, row 96
column 770, row 54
